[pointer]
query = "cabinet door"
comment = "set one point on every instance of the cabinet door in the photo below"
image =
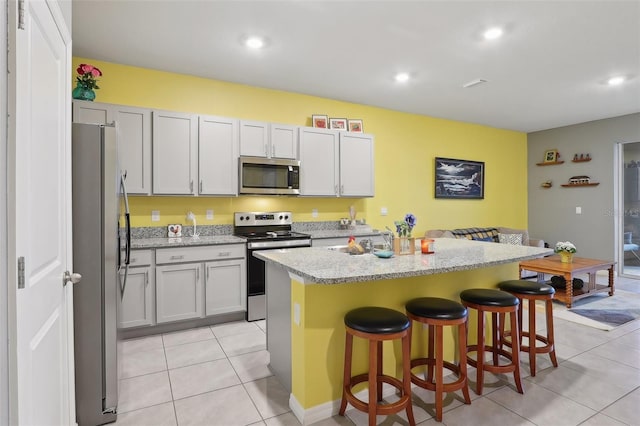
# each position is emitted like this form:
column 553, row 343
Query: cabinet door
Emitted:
column 134, row 146
column 90, row 112
column 318, row 150
column 137, row 300
column 225, row 286
column 283, row 141
column 218, row 156
column 174, row 152
column 178, row 292
column 254, row 137
column 356, row 165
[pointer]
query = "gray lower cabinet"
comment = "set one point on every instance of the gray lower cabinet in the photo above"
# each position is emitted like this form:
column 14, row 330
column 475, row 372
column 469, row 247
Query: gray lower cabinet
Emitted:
column 194, row 282
column 178, row 292
column 225, row 286
column 138, row 298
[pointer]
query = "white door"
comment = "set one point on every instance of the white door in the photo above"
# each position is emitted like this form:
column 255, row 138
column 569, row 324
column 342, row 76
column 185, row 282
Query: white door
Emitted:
column 40, row 190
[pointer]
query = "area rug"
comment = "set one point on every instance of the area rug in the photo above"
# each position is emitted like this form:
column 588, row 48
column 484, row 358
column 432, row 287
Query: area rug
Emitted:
column 601, row 311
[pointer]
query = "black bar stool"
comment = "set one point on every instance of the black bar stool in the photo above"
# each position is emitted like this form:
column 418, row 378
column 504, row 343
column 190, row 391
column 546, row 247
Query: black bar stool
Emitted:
column 498, row 303
column 532, row 291
column 438, row 313
column 377, row 325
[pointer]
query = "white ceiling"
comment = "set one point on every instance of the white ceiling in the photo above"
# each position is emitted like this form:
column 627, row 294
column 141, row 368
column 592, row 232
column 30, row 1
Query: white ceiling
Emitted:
column 549, row 69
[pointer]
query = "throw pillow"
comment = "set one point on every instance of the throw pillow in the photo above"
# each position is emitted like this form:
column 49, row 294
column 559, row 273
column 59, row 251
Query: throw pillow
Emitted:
column 513, row 239
column 487, row 239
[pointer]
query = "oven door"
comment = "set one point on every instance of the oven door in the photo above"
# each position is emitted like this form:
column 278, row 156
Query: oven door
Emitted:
column 256, row 295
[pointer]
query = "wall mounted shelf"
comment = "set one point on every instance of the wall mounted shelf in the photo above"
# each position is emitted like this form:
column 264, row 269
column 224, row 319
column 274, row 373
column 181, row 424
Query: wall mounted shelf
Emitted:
column 584, row 160
column 550, row 163
column 571, row 185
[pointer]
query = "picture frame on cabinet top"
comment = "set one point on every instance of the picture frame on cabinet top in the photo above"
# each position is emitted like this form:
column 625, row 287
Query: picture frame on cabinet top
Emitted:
column 320, row 121
column 338, row 123
column 355, row 125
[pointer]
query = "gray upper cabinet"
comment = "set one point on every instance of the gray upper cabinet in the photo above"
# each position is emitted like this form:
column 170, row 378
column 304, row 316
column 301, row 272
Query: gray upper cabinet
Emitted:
column 217, row 155
column 134, row 139
column 175, row 153
column 269, row 140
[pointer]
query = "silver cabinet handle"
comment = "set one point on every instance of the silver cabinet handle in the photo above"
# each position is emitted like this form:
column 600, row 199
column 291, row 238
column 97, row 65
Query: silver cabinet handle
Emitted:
column 224, row 254
column 200, row 185
column 335, row 189
column 206, row 277
column 266, row 150
column 146, row 277
column 198, row 274
column 341, row 189
column 273, row 150
column 176, row 257
column 133, row 260
column 191, row 186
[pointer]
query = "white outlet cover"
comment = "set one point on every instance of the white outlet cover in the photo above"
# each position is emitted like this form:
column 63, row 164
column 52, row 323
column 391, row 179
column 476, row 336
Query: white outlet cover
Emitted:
column 155, row 215
column 314, row 213
column 383, row 211
column 209, row 214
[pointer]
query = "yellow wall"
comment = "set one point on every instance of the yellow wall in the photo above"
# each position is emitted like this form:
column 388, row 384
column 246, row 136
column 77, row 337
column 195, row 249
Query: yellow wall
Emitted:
column 405, row 148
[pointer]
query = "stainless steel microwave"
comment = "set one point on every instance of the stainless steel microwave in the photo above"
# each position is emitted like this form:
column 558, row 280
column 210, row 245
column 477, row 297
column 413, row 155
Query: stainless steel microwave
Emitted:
column 276, row 176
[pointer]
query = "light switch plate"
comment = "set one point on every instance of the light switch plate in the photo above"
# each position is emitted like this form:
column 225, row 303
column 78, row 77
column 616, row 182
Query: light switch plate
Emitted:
column 296, row 313
column 383, row 211
column 314, row 213
column 578, row 210
column 155, row 215
column 209, row 214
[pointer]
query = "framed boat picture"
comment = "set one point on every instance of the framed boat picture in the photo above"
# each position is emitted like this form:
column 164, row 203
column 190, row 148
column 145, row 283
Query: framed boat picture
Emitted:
column 459, row 179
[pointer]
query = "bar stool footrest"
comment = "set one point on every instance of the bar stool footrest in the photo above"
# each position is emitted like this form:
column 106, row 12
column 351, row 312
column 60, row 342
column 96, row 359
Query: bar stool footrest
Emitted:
column 384, row 409
column 446, row 387
column 492, row 368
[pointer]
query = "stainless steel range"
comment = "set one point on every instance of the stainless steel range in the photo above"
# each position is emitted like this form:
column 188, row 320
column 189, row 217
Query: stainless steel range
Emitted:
column 264, row 231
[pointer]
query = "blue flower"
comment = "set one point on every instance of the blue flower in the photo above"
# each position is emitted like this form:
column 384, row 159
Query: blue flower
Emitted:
column 403, row 228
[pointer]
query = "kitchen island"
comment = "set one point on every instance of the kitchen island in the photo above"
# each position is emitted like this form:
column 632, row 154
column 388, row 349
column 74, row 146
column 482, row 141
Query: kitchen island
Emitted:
column 310, row 290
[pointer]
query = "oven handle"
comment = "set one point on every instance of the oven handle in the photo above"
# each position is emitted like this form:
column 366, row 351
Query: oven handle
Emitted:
column 267, row 245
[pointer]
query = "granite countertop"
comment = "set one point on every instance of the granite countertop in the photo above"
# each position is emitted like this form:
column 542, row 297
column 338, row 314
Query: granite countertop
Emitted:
column 141, row 243
column 322, row 266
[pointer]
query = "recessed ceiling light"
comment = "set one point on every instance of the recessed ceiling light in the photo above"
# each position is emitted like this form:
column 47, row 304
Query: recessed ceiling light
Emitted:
column 614, row 81
column 493, row 33
column 402, row 77
column 254, row 42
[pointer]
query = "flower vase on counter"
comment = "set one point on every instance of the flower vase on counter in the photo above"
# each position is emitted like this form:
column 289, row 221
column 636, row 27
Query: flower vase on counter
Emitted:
column 566, row 257
column 404, row 245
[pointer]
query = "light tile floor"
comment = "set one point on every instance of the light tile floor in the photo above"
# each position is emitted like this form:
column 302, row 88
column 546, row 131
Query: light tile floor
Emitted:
column 219, row 376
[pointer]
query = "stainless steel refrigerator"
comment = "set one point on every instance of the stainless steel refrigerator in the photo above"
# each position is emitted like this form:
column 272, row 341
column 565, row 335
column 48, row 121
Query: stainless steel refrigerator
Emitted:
column 98, row 195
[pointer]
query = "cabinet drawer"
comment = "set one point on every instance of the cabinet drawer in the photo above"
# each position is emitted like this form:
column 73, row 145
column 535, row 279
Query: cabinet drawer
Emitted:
column 197, row 254
column 140, row 257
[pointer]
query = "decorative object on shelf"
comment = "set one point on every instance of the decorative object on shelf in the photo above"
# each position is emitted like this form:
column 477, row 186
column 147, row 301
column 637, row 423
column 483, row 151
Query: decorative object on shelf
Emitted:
column 581, row 158
column 574, row 180
column 320, row 121
column 338, row 123
column 405, row 244
column 547, row 184
column 566, row 250
column 551, row 156
column 86, row 82
column 355, row 125
column 459, row 178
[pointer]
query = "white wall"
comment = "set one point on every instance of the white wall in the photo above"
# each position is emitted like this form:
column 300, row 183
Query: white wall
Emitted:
column 552, row 212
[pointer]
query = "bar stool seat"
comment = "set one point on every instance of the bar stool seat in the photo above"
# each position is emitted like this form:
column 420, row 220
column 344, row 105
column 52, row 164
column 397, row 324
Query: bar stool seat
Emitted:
column 377, row 324
column 498, row 303
column 437, row 313
column 532, row 291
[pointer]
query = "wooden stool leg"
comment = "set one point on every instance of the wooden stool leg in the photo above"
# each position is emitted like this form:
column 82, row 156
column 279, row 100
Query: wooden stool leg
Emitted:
column 406, row 374
column 550, row 337
column 430, row 343
column 532, row 335
column 373, row 379
column 379, row 372
column 462, row 347
column 495, row 335
column 480, row 353
column 439, row 373
column 515, row 349
column 346, row 378
column 520, row 315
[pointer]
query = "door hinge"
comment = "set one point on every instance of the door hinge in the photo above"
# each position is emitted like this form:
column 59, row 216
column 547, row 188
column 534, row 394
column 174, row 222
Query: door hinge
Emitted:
column 21, row 272
column 21, row 14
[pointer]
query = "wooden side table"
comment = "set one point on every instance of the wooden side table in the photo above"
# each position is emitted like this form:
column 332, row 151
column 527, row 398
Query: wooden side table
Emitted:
column 580, row 265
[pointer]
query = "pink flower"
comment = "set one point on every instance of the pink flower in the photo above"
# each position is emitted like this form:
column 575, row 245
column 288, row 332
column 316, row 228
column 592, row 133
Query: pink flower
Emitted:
column 96, row 72
column 87, row 76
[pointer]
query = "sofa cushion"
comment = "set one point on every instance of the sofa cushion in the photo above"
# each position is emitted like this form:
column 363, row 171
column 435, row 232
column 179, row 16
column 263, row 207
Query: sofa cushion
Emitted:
column 438, row 233
column 486, row 239
column 513, row 239
column 475, row 233
column 524, row 232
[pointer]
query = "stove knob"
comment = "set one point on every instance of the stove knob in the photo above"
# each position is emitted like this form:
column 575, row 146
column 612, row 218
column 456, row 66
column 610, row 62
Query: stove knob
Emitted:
column 280, row 217
column 247, row 217
column 286, row 217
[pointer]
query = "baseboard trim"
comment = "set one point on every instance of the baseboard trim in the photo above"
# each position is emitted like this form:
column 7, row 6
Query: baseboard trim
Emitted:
column 327, row 409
